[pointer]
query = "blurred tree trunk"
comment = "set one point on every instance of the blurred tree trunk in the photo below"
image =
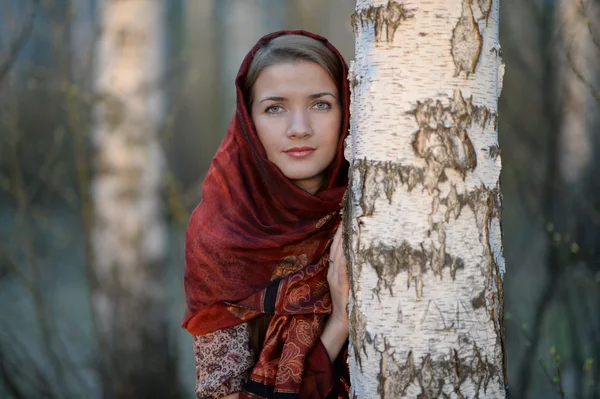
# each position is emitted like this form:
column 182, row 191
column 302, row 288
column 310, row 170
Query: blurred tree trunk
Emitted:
column 576, row 213
column 82, row 35
column 422, row 217
column 239, row 26
column 307, row 14
column 199, row 106
column 580, row 92
column 128, row 234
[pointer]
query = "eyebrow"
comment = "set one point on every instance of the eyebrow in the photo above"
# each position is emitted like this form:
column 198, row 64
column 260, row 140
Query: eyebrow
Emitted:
column 312, row 97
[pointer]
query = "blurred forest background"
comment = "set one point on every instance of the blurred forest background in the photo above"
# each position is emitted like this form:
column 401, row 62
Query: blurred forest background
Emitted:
column 549, row 133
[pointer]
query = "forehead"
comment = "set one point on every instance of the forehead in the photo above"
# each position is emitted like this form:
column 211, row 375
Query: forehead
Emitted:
column 302, row 77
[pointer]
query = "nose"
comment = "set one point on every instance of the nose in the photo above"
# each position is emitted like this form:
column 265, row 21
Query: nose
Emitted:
column 300, row 126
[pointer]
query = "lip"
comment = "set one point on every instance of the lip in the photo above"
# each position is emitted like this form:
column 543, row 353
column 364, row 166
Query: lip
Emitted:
column 300, row 152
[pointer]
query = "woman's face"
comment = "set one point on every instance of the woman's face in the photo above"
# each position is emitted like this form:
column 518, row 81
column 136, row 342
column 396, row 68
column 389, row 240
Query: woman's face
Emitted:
column 296, row 109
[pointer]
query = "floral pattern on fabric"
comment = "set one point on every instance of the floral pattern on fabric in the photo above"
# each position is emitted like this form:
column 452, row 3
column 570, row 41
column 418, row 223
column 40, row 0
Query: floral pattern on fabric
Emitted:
column 223, row 361
column 290, row 264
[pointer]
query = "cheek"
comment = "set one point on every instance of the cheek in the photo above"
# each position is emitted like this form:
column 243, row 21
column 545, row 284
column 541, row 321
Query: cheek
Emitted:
column 332, row 130
column 267, row 134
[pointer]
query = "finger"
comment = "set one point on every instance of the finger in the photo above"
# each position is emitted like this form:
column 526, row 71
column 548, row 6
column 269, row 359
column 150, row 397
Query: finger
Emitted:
column 333, row 252
column 337, row 237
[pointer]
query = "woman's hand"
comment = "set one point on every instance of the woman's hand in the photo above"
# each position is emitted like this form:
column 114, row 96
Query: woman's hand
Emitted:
column 335, row 333
column 337, row 277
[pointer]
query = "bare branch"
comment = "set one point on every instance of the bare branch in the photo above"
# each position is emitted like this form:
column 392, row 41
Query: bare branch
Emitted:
column 10, row 266
column 589, row 24
column 595, row 93
column 20, row 42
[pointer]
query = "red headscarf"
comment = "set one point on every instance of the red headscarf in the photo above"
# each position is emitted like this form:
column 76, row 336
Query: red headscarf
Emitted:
column 258, row 244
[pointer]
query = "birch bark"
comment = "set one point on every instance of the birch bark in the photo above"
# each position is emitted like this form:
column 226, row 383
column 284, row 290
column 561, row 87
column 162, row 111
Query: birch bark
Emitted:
column 422, row 214
column 128, row 236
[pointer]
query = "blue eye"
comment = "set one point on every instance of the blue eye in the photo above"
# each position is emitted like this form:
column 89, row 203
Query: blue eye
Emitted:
column 322, row 105
column 274, row 109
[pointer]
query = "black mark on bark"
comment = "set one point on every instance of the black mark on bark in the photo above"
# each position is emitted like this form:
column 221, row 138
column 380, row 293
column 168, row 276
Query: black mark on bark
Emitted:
column 442, row 139
column 113, row 111
column 479, row 300
column 388, row 18
column 436, row 378
column 390, row 261
column 466, row 41
column 393, row 378
column 377, row 178
column 494, row 151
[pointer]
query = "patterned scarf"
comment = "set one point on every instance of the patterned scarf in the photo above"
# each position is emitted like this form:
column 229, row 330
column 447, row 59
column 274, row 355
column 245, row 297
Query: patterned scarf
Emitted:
column 258, row 244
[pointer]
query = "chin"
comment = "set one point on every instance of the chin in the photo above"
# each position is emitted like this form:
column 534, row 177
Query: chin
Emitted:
column 301, row 176
column 305, row 179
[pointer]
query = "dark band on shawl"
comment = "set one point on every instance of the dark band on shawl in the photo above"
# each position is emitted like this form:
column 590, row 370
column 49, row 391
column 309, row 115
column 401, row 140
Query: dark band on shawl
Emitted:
column 271, row 297
column 260, row 390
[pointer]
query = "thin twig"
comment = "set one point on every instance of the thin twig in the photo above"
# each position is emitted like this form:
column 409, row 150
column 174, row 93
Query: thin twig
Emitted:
column 595, row 93
column 589, row 25
column 559, row 384
column 10, row 265
column 79, row 127
column 40, row 309
column 16, row 357
column 20, row 42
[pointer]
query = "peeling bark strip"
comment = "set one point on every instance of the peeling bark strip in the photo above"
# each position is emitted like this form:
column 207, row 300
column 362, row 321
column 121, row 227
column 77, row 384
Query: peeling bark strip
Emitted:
column 466, row 41
column 389, row 17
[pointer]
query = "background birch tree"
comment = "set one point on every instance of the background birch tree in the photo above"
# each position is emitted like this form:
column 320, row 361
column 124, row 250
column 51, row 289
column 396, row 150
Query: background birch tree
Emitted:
column 128, row 235
column 422, row 218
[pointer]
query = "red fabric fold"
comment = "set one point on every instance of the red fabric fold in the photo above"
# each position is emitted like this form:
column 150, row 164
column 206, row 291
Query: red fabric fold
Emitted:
column 258, row 244
column 319, row 378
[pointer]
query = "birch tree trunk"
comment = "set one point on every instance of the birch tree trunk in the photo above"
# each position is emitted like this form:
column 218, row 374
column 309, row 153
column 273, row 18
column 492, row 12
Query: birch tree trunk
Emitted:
column 128, row 236
column 422, row 214
column 240, row 25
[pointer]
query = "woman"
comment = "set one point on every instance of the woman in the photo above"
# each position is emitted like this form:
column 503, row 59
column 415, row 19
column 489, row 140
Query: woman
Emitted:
column 265, row 277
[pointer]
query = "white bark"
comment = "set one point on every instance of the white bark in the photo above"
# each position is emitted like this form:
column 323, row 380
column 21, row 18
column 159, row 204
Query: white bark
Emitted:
column 423, row 210
column 129, row 232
